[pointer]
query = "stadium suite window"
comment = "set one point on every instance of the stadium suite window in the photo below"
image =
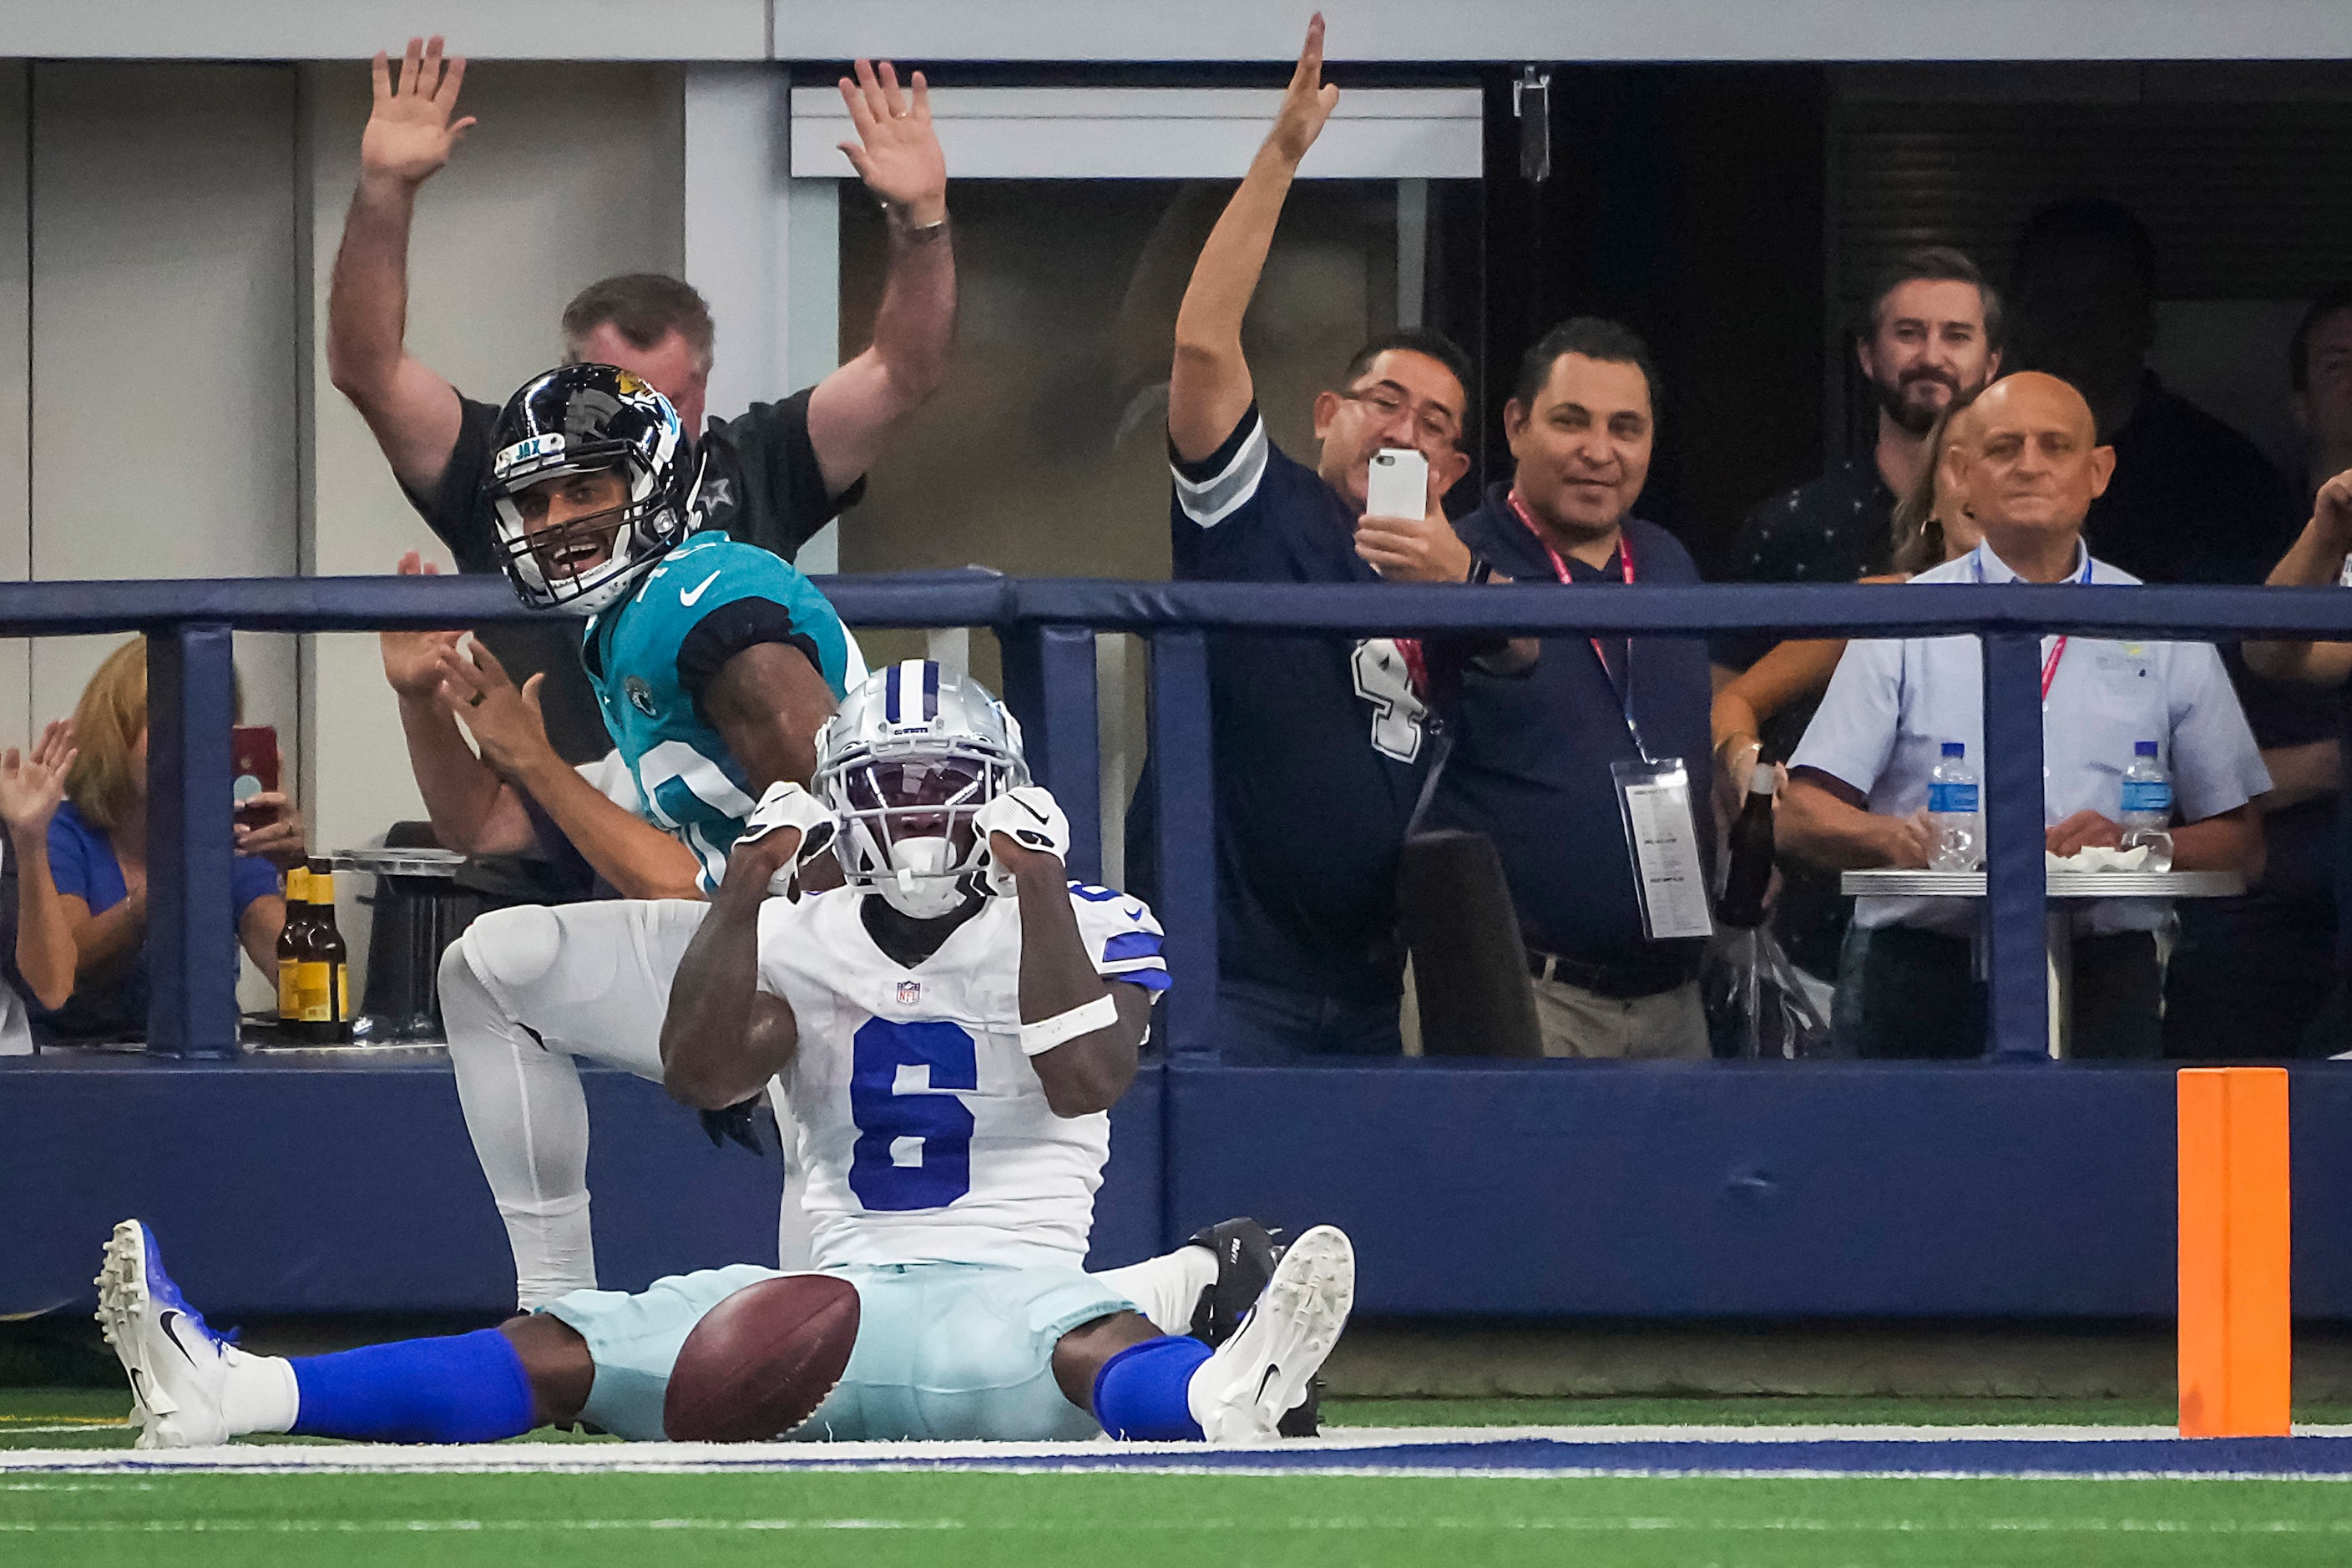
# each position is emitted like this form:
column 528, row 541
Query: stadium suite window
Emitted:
column 1045, row 452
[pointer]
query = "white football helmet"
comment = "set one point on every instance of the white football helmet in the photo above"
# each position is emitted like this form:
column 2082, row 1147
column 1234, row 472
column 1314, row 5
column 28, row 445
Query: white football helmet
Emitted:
column 905, row 765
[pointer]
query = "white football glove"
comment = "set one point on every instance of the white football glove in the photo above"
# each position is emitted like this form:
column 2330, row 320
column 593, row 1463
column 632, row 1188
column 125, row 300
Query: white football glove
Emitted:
column 787, row 804
column 1030, row 817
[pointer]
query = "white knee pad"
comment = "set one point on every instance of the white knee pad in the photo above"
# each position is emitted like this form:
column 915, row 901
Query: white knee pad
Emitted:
column 508, row 948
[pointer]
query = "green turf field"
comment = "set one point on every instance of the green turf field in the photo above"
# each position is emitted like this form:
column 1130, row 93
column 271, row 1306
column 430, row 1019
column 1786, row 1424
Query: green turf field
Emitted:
column 879, row 1520
column 882, row 1520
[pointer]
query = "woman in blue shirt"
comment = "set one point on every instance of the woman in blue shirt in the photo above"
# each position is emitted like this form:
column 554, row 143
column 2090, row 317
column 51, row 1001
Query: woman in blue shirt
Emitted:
column 97, row 856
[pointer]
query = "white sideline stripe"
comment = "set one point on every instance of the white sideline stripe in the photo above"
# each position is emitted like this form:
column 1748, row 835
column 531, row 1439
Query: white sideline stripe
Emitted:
column 1372, row 1443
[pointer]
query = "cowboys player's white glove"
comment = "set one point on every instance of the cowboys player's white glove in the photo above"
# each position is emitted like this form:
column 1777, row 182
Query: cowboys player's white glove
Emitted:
column 1029, row 816
column 787, row 804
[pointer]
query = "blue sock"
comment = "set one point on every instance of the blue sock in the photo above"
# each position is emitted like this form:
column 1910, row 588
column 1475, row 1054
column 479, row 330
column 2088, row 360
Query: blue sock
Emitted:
column 1139, row 1392
column 468, row 1388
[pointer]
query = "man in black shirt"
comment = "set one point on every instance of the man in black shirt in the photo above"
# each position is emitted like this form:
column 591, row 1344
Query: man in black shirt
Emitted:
column 2193, row 500
column 1929, row 336
column 772, row 476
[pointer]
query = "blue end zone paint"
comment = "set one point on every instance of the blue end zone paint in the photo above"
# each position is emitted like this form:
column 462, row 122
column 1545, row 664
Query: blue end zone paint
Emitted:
column 1887, row 1453
column 2310, row 1457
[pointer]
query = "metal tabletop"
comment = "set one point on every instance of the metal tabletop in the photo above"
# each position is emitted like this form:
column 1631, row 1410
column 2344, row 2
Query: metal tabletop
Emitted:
column 2062, row 884
column 408, row 862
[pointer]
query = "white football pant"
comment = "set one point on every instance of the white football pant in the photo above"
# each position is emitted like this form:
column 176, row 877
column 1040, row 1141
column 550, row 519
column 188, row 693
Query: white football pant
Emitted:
column 527, row 991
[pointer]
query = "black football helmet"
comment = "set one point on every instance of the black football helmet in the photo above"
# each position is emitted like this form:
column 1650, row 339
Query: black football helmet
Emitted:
column 586, row 419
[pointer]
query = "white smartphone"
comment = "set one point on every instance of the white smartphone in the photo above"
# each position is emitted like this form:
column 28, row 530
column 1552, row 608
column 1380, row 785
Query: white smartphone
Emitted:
column 1399, row 486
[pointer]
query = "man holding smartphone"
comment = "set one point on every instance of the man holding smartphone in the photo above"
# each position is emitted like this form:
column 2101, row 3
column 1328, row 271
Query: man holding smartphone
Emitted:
column 1321, row 750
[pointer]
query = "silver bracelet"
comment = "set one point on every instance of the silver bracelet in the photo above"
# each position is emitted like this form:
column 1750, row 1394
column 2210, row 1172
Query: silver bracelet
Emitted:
column 1043, row 1036
column 911, row 232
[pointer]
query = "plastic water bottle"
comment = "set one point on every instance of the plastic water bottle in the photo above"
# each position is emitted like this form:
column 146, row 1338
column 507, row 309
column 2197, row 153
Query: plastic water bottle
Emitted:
column 1952, row 811
column 2146, row 815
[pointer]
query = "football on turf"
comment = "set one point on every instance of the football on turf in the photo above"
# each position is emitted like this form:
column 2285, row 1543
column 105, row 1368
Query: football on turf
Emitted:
column 759, row 1362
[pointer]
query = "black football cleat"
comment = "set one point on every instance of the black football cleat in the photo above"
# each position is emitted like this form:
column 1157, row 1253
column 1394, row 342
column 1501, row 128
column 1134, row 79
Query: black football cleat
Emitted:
column 1246, row 1253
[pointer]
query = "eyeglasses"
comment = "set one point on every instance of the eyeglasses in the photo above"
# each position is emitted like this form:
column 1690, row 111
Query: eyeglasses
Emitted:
column 1387, row 400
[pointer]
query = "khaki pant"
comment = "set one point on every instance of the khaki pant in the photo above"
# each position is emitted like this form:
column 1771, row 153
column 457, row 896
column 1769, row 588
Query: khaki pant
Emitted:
column 1577, row 1023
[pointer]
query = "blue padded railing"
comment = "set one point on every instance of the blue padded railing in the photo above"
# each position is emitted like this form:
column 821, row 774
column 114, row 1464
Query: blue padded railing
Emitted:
column 1046, row 627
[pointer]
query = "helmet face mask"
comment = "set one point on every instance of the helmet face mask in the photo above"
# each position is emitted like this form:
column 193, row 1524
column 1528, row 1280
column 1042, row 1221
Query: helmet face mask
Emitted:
column 584, row 419
column 905, row 765
column 568, row 553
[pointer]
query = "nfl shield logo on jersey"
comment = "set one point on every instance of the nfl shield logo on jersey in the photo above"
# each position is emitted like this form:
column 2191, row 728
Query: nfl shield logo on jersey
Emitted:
column 909, row 993
column 641, row 696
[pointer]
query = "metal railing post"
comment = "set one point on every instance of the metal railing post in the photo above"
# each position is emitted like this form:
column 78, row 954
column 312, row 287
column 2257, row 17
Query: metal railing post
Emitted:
column 2017, row 1010
column 191, row 948
column 1186, row 812
column 1049, row 681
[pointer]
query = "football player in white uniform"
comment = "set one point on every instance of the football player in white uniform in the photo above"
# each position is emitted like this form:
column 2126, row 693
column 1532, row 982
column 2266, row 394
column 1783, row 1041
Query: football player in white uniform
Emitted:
column 952, row 1028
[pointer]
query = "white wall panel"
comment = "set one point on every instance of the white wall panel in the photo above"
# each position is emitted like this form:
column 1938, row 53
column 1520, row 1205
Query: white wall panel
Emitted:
column 1415, row 31
column 737, row 218
column 16, row 389
column 162, row 351
column 1162, row 133
column 355, row 29
column 813, row 318
column 162, row 344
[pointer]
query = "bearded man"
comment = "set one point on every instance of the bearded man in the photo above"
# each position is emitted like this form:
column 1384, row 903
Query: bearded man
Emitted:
column 1928, row 338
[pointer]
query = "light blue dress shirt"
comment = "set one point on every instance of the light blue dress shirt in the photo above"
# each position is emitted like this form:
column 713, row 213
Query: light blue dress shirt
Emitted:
column 1893, row 703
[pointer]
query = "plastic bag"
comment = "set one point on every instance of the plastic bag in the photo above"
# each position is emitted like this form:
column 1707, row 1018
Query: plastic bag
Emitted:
column 1756, row 1004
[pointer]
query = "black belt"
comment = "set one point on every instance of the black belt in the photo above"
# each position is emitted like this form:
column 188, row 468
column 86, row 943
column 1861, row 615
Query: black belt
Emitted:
column 1620, row 981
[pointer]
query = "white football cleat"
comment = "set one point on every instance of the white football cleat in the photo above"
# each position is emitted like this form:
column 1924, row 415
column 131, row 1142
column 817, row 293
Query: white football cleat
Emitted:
column 177, row 1365
column 1241, row 1394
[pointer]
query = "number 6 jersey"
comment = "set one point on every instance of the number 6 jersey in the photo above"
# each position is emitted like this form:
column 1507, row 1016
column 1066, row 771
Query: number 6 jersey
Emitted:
column 923, row 1127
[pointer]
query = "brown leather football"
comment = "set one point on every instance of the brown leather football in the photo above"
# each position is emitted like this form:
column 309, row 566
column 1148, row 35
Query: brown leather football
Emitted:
column 761, row 1362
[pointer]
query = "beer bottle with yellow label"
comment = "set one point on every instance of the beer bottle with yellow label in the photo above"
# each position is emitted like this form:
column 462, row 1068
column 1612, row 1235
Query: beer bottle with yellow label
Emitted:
column 324, row 966
column 290, row 940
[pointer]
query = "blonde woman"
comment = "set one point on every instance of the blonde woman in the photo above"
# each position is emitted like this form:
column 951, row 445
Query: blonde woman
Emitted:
column 1931, row 526
column 98, row 858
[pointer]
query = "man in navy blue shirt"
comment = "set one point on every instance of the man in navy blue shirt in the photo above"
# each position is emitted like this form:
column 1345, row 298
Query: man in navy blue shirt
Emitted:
column 1532, row 764
column 1321, row 747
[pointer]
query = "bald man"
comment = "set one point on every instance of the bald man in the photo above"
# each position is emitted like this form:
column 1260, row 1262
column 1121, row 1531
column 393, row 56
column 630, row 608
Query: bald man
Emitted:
column 2030, row 468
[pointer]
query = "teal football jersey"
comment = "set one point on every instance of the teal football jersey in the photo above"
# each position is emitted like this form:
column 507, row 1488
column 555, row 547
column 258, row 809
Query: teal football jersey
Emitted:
column 688, row 783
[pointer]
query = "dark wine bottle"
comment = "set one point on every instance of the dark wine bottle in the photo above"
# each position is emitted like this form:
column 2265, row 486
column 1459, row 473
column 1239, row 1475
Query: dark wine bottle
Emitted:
column 1750, row 873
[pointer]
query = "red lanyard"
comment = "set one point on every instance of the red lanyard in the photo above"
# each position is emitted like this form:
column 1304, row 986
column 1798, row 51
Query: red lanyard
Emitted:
column 2049, row 664
column 1624, row 568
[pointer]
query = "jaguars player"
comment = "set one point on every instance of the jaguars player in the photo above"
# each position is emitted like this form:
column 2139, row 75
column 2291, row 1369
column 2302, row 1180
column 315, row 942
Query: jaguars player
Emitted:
column 714, row 663
column 952, row 1027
